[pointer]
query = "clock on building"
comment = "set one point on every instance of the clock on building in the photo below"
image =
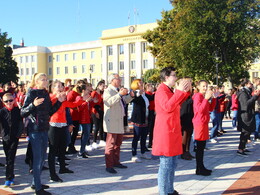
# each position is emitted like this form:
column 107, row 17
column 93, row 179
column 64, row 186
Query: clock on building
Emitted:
column 131, row 29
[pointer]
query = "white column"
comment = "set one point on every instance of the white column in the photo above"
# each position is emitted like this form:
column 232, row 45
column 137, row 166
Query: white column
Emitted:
column 138, row 60
column 126, row 66
column 115, row 59
column 104, row 64
column 150, row 61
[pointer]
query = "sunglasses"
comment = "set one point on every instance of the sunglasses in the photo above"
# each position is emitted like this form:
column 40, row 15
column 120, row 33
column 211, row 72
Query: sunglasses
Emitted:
column 8, row 101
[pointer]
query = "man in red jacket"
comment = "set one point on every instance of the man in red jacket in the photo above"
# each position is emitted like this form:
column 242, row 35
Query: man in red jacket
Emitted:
column 167, row 140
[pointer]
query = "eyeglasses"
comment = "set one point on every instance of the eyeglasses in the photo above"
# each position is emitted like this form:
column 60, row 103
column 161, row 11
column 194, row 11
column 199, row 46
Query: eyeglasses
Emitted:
column 8, row 101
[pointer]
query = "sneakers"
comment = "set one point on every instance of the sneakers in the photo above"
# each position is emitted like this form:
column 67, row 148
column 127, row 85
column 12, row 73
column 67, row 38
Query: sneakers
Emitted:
column 120, row 166
column 136, row 159
column 7, row 184
column 145, row 156
column 102, row 143
column 89, row 148
column 213, row 140
column 95, row 145
column 55, row 178
column 83, row 155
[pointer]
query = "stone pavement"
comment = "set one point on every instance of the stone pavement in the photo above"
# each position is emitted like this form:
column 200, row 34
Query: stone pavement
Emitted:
column 90, row 176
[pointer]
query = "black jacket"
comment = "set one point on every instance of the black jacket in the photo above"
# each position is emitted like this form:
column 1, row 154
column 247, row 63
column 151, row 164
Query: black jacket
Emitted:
column 38, row 116
column 187, row 114
column 12, row 123
column 246, row 111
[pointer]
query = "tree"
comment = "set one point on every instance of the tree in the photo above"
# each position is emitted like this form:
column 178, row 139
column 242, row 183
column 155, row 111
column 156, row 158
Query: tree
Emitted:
column 200, row 36
column 152, row 76
column 8, row 67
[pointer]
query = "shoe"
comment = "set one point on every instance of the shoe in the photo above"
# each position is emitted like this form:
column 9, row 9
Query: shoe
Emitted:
column 186, row 156
column 146, row 150
column 102, row 143
column 42, row 192
column 120, row 166
column 7, row 184
column 246, row 150
column 55, row 179
column 136, row 159
column 222, row 131
column 174, row 193
column 145, row 156
column 58, row 163
column 89, row 148
column 207, row 170
column 213, row 141
column 2, row 165
column 95, row 145
column 219, row 134
column 12, row 182
column 203, row 172
column 83, row 155
column 111, row 170
column 65, row 171
column 43, row 186
column 241, row 153
column 149, row 145
column 72, row 151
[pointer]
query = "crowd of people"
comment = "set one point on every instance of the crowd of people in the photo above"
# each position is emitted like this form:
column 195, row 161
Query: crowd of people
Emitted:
column 175, row 114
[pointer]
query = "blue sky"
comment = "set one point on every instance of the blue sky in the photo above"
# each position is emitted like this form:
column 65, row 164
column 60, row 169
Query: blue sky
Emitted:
column 57, row 22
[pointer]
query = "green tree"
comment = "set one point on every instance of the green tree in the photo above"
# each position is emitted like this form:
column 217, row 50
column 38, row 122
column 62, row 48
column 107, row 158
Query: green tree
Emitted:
column 195, row 32
column 8, row 67
column 152, row 76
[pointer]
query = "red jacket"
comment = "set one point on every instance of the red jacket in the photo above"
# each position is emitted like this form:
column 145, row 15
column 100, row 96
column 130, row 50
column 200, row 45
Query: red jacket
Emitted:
column 234, row 102
column 167, row 139
column 99, row 104
column 60, row 115
column 151, row 103
column 201, row 109
column 71, row 97
column 84, row 111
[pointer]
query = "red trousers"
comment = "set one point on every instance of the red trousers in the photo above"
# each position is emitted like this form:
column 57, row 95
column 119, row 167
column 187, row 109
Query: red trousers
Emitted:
column 112, row 151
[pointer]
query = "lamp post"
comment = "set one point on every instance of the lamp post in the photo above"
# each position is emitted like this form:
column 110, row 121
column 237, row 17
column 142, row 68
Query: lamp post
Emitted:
column 90, row 71
column 216, row 58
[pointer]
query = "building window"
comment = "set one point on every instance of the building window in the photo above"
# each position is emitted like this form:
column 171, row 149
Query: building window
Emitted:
column 121, row 65
column 83, row 55
column 49, row 59
column 21, row 71
column 144, row 47
column 132, row 48
column 74, row 69
column 66, row 69
column 32, row 58
column 92, row 68
column 66, row 57
column 110, row 50
column 33, row 70
column 49, row 71
column 92, row 54
column 255, row 74
column 27, row 71
column 110, row 65
column 57, row 58
column 74, row 56
column 21, row 59
column 83, row 68
column 58, row 70
column 26, row 59
column 145, row 64
column 132, row 64
column 121, row 49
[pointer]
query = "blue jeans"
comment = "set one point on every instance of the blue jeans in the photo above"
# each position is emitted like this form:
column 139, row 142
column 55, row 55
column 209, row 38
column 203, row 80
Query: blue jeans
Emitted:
column 39, row 142
column 257, row 122
column 220, row 119
column 84, row 136
column 215, row 124
column 139, row 132
column 166, row 174
column 234, row 120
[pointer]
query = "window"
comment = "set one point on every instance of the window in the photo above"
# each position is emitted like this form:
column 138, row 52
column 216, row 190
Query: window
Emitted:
column 49, row 59
column 58, row 70
column 110, row 65
column 49, row 71
column 144, row 47
column 66, row 69
column 21, row 59
column 33, row 70
column 121, row 49
column 21, row 71
column 145, row 64
column 26, row 59
column 83, row 55
column 27, row 71
column 121, row 65
column 74, row 56
column 32, row 58
column 132, row 64
column 83, row 68
column 92, row 54
column 110, row 50
column 132, row 48
column 74, row 69
column 92, row 68
column 57, row 58
column 66, row 57
column 255, row 74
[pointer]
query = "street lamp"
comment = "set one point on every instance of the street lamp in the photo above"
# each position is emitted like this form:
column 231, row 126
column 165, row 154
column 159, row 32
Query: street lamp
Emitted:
column 90, row 71
column 216, row 59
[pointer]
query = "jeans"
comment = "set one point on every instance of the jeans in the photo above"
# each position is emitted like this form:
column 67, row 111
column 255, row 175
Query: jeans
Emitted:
column 166, row 174
column 257, row 121
column 215, row 124
column 84, row 136
column 139, row 132
column 220, row 119
column 234, row 120
column 39, row 142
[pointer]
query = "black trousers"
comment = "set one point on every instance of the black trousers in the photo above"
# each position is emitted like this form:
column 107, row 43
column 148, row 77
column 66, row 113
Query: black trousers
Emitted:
column 57, row 147
column 200, row 154
column 244, row 136
column 74, row 135
column 10, row 148
column 151, row 120
column 98, row 127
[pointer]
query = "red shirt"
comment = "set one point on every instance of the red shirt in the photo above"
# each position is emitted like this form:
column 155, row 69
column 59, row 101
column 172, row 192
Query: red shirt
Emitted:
column 71, row 97
column 96, row 95
column 234, row 102
column 84, row 111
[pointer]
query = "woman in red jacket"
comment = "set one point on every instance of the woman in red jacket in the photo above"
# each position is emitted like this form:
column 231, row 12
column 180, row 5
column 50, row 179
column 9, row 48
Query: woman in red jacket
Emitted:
column 234, row 107
column 203, row 104
column 167, row 140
